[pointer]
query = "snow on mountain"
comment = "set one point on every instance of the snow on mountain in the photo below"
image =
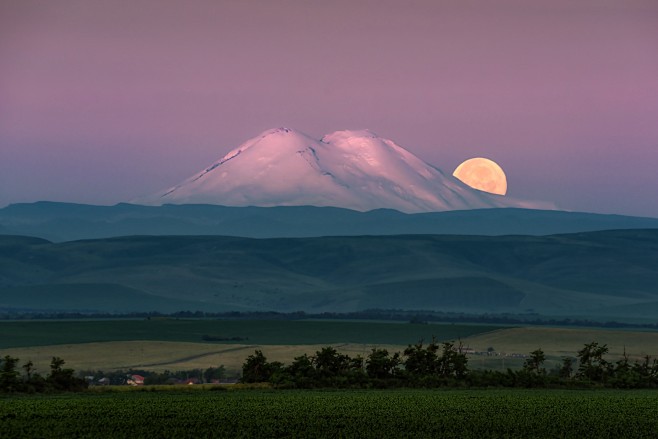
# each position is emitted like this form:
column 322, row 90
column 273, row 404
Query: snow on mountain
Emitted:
column 351, row 169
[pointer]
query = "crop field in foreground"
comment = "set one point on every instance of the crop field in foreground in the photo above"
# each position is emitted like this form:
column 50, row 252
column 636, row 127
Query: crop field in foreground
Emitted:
column 331, row 414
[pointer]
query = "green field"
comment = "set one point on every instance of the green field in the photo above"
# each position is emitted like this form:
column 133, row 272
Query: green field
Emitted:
column 15, row 334
column 354, row 414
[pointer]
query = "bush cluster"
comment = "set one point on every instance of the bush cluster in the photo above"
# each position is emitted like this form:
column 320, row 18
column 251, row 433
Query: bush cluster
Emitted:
column 422, row 365
column 58, row 380
column 419, row 365
column 446, row 365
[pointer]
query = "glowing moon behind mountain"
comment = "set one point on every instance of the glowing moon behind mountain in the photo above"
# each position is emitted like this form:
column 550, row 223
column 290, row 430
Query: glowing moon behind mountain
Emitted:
column 482, row 174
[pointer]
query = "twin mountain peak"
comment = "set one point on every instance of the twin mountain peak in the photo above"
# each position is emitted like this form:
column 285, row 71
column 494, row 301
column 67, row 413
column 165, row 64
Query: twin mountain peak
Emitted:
column 355, row 170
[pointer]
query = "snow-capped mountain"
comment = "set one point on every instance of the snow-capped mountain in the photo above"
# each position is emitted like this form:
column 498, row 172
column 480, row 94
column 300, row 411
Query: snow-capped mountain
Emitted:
column 351, row 169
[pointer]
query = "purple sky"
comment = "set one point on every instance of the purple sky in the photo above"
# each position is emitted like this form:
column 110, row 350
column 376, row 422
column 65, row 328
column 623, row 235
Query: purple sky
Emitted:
column 105, row 101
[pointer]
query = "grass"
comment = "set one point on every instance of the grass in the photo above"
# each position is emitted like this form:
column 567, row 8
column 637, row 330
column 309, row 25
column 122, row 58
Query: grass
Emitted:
column 15, row 334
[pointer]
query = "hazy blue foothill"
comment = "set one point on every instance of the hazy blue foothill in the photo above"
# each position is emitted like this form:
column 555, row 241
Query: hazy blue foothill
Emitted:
column 611, row 274
column 60, row 222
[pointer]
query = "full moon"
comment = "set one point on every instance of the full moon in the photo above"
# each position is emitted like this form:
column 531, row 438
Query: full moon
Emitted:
column 482, row 174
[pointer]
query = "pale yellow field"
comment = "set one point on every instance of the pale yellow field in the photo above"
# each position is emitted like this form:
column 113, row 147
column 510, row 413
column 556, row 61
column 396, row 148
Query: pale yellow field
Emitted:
column 511, row 344
column 160, row 356
column 566, row 341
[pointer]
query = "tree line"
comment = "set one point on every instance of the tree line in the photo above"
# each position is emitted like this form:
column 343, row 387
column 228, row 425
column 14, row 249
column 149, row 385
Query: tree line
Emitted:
column 59, row 379
column 122, row 377
column 419, row 365
column 372, row 314
column 446, row 364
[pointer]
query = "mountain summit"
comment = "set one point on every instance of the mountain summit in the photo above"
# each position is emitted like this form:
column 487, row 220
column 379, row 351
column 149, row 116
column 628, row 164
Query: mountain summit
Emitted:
column 351, row 169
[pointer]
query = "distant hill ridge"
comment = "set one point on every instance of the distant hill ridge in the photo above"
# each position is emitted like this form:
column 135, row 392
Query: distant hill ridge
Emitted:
column 608, row 274
column 65, row 222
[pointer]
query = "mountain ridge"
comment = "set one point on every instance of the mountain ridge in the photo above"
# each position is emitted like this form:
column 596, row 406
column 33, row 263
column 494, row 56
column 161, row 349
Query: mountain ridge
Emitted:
column 66, row 222
column 354, row 169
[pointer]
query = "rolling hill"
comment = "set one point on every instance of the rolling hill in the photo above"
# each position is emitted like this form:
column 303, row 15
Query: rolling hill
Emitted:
column 608, row 274
column 66, row 222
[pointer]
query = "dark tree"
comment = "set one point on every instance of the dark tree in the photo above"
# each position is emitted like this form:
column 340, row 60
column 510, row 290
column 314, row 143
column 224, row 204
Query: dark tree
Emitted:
column 9, row 377
column 329, row 363
column 256, row 368
column 381, row 365
column 29, row 369
column 452, row 362
column 566, row 370
column 592, row 366
column 534, row 363
column 647, row 369
column 214, row 373
column 421, row 361
column 63, row 379
column 302, row 371
column 302, row 366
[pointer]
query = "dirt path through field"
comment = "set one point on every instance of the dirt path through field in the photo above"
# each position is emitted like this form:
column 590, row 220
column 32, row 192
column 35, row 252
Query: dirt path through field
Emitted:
column 196, row 357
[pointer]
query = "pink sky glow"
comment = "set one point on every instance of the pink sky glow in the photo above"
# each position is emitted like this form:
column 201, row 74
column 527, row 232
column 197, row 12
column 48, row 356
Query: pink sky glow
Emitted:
column 106, row 101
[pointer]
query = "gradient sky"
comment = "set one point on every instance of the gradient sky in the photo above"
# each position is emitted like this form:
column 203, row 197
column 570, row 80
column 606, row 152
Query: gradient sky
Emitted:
column 105, row 101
